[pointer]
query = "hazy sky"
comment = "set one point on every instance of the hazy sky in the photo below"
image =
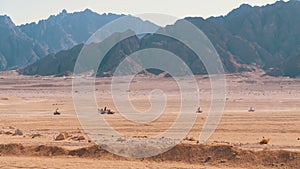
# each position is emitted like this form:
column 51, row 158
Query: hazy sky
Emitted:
column 24, row 11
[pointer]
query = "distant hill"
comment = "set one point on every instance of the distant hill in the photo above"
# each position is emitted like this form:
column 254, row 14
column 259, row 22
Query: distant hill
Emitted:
column 25, row 44
column 62, row 63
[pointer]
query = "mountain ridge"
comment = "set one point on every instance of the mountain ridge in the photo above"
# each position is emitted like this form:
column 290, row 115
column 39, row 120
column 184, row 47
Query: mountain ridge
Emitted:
column 63, row 31
column 247, row 38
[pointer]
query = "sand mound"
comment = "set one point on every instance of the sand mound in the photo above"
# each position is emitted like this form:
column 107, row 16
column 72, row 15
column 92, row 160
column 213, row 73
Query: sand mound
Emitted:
column 215, row 155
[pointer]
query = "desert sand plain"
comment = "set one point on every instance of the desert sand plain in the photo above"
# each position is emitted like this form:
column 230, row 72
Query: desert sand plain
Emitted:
column 27, row 104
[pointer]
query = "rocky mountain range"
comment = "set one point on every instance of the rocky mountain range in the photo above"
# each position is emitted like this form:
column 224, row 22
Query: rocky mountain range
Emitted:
column 248, row 38
column 23, row 45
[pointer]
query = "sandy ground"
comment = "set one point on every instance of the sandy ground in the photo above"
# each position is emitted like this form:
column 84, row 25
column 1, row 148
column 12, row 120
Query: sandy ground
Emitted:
column 28, row 103
column 74, row 163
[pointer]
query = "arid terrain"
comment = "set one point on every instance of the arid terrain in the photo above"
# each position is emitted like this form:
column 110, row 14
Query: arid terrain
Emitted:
column 29, row 130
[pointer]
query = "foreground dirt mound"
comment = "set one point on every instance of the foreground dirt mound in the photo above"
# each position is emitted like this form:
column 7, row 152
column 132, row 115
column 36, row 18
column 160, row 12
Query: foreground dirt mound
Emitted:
column 194, row 154
column 12, row 149
column 224, row 154
column 19, row 149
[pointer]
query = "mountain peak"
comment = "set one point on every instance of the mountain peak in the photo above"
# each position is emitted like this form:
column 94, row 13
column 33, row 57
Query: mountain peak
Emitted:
column 6, row 20
column 64, row 11
column 87, row 10
column 245, row 6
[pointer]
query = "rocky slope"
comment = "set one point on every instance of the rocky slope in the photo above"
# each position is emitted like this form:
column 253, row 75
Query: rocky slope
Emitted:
column 267, row 37
column 16, row 48
column 25, row 44
column 65, row 30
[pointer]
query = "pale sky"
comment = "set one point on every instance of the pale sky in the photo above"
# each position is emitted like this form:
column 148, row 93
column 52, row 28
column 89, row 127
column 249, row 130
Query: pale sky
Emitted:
column 26, row 11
